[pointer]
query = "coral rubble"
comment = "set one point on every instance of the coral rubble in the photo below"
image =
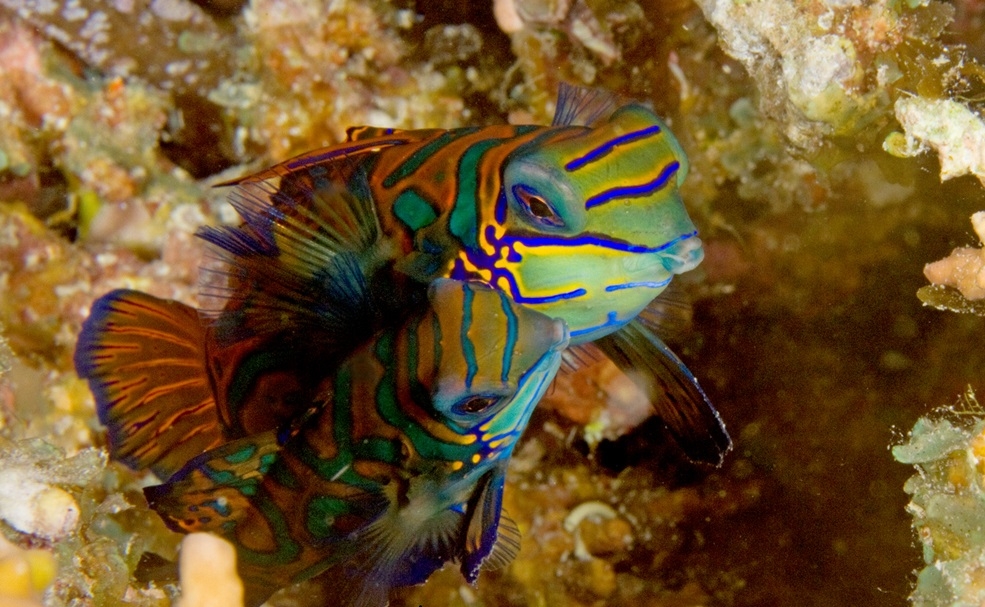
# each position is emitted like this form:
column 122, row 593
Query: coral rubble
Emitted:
column 113, row 128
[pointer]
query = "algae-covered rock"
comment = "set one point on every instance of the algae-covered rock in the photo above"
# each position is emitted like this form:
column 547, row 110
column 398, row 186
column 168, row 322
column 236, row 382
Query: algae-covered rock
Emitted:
column 948, row 504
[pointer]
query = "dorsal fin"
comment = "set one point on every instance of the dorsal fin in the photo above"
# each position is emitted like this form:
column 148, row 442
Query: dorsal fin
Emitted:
column 582, row 106
column 325, row 158
column 300, row 260
column 145, row 362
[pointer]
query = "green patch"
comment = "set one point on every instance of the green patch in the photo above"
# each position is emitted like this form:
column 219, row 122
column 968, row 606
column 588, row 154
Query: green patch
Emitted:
column 413, row 210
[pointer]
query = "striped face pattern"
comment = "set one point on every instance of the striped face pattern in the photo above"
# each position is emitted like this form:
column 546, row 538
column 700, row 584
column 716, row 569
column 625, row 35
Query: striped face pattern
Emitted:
column 581, row 220
column 399, row 468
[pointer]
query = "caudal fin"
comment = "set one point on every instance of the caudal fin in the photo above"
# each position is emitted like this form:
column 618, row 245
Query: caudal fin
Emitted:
column 144, row 359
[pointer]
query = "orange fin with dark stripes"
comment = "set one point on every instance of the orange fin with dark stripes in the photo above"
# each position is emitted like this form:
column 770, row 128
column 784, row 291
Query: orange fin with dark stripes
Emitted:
column 144, row 358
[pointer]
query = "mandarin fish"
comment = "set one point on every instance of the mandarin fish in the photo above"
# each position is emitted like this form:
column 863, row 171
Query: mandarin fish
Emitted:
column 398, row 468
column 580, row 220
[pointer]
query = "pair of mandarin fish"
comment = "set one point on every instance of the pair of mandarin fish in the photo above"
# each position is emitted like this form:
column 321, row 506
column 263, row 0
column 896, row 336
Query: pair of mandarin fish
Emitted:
column 390, row 311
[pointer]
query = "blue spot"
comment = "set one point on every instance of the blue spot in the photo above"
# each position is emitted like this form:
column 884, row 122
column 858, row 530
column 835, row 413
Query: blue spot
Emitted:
column 221, row 506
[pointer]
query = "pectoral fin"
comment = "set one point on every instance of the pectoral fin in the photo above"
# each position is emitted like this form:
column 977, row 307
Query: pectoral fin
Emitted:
column 678, row 399
column 485, row 542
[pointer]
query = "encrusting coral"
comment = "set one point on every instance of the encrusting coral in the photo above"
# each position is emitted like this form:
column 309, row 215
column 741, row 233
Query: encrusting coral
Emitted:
column 964, row 268
column 948, row 504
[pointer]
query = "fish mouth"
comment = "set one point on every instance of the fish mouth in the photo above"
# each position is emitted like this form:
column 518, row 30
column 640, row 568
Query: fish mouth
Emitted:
column 683, row 256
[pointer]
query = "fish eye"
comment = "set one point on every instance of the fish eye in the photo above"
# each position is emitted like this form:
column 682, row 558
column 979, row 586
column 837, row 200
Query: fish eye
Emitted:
column 537, row 206
column 472, row 405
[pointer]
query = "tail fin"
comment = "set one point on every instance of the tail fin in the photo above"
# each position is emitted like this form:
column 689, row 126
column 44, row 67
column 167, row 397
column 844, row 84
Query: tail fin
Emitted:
column 144, row 359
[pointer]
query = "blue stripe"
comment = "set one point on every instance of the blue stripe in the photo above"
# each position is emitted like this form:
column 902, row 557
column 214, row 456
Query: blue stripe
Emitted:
column 632, row 191
column 468, row 349
column 459, row 272
column 589, row 239
column 608, row 146
column 611, row 321
column 633, row 285
column 496, row 273
column 510, row 336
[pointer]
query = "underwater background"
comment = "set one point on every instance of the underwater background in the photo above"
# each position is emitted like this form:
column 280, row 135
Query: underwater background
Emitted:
column 835, row 148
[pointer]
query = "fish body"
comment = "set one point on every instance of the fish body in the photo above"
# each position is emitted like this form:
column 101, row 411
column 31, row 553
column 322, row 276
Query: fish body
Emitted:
column 580, row 220
column 400, row 465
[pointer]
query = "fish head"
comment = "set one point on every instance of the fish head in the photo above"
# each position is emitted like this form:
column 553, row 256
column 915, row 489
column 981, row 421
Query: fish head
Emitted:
column 591, row 226
column 496, row 358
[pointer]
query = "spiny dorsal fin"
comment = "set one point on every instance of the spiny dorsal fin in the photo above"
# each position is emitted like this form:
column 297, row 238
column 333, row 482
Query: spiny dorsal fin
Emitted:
column 145, row 362
column 582, row 106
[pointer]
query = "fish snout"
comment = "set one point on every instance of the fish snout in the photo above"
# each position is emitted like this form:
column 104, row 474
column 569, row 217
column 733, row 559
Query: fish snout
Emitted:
column 561, row 335
column 685, row 255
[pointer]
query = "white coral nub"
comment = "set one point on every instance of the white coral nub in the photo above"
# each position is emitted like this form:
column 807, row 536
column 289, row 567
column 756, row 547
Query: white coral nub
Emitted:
column 35, row 507
column 964, row 268
column 208, row 572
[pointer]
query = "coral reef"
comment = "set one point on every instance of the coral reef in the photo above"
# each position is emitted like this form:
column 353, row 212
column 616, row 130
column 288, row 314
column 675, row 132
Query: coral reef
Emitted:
column 24, row 574
column 949, row 127
column 805, row 332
